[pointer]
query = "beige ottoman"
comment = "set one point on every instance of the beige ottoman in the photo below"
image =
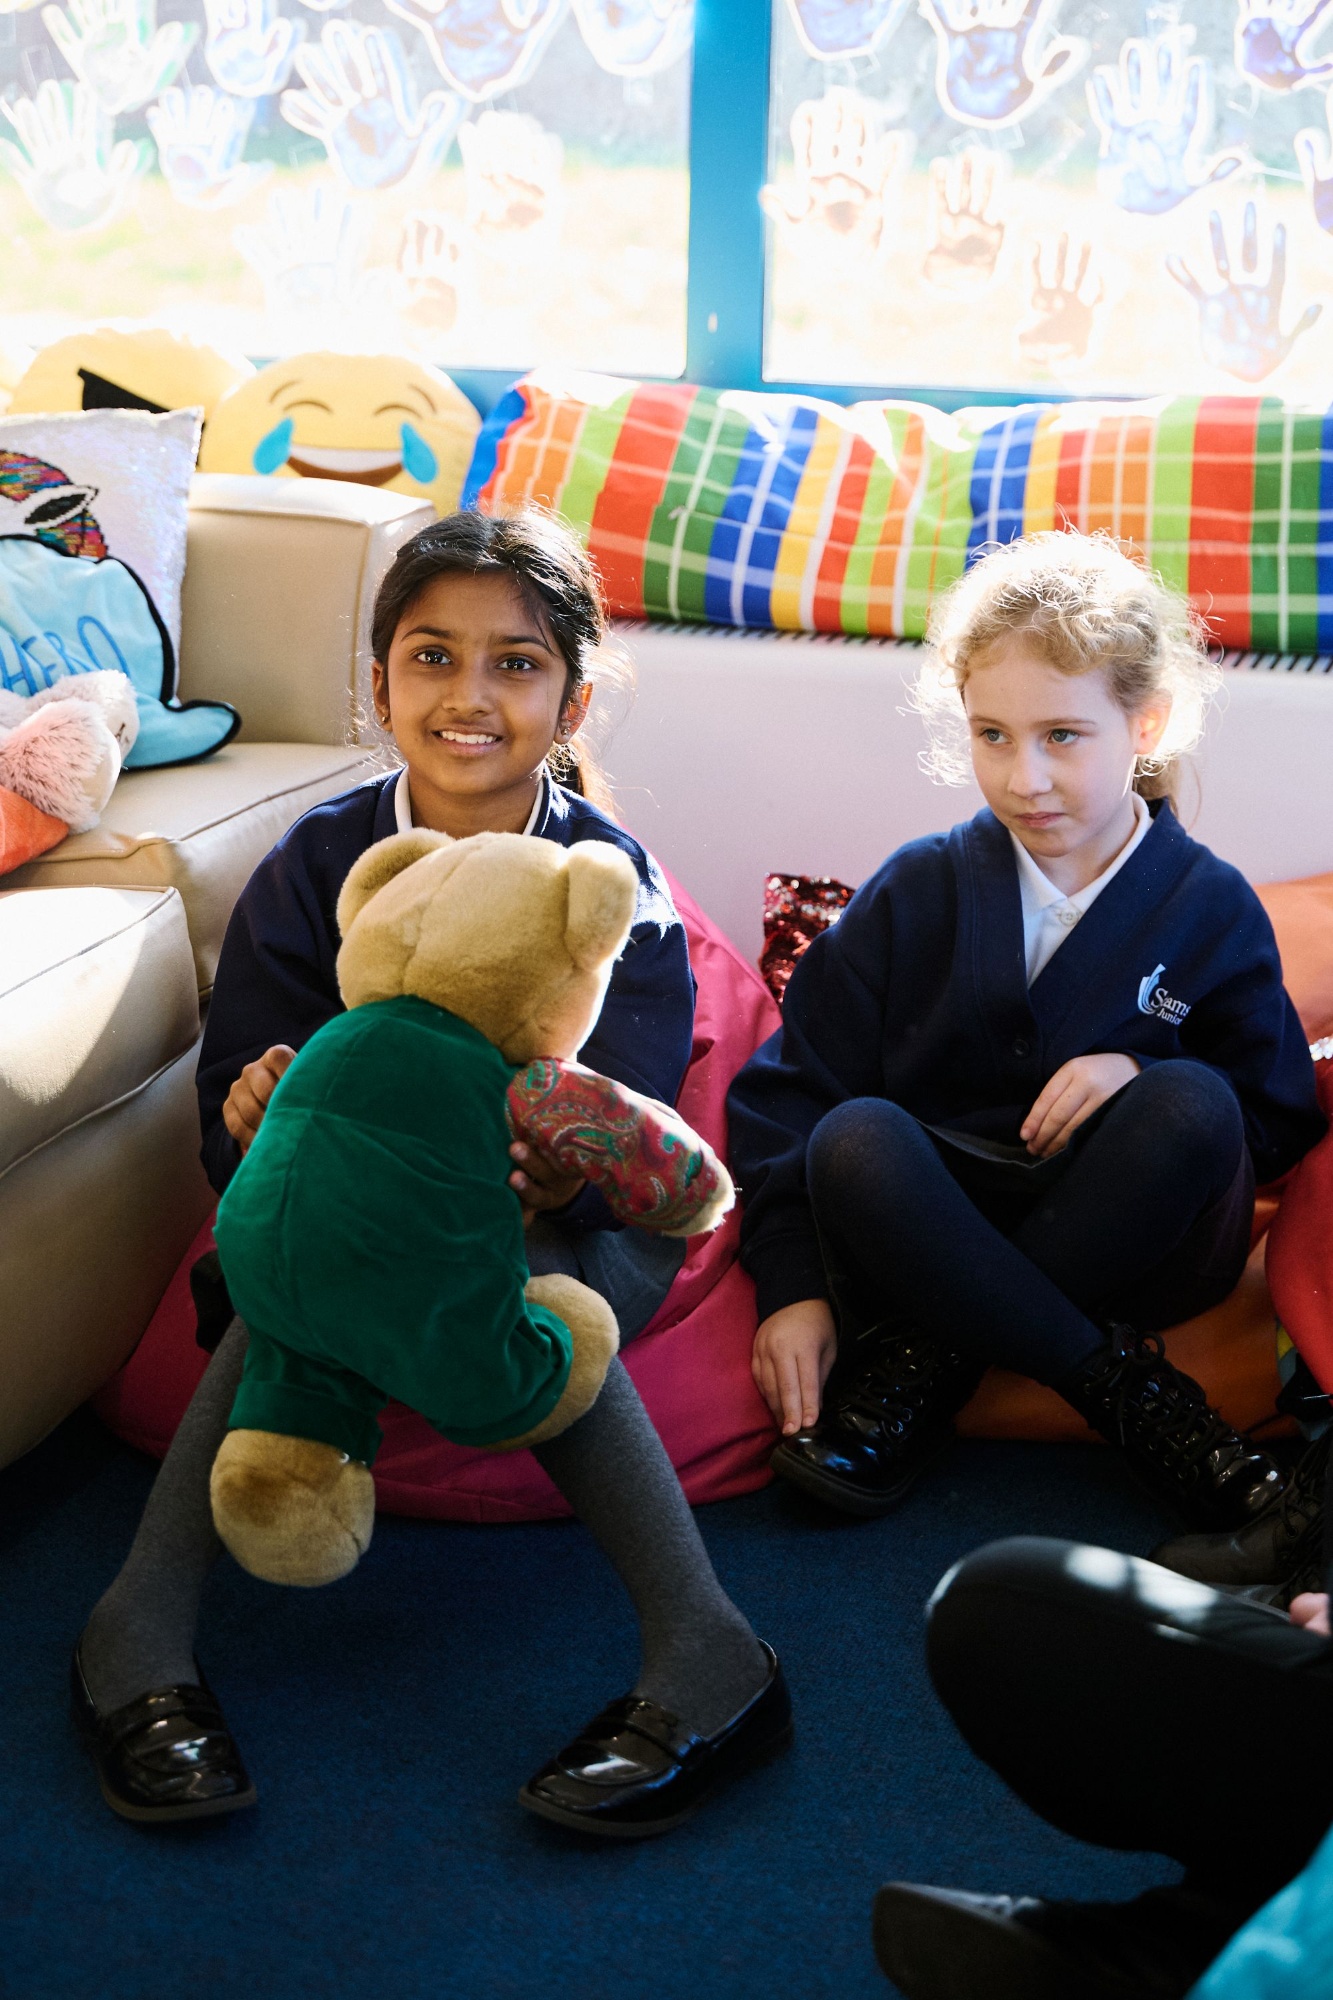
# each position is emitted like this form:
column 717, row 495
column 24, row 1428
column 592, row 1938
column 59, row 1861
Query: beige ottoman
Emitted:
column 101, row 1190
column 201, row 829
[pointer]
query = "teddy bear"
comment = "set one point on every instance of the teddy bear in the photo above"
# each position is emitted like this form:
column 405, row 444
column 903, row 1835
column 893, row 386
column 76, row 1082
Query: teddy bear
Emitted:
column 62, row 748
column 370, row 1239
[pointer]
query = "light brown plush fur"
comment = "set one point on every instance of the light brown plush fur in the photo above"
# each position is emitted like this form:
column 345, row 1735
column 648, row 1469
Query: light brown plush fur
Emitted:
column 516, row 937
column 289, row 1509
column 596, row 1338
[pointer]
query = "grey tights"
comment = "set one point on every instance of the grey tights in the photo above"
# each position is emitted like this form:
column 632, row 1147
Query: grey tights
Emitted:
column 699, row 1657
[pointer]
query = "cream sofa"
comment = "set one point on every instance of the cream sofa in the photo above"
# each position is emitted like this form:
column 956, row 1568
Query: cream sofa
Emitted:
column 108, row 944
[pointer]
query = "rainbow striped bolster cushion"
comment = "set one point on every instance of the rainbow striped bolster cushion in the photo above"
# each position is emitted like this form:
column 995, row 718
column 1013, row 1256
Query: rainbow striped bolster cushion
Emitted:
column 732, row 508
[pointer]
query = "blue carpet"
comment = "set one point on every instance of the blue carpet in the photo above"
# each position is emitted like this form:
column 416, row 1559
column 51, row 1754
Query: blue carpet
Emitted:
column 389, row 1721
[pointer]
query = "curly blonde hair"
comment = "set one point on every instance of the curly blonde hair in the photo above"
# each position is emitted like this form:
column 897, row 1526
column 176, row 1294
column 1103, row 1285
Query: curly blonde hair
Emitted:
column 1086, row 604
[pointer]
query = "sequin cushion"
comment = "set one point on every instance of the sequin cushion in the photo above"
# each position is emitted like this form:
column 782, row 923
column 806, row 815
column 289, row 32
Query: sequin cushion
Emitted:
column 92, row 553
column 796, row 909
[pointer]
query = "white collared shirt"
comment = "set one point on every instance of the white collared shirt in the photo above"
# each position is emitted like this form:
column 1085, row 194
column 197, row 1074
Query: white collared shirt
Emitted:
column 402, row 803
column 1048, row 914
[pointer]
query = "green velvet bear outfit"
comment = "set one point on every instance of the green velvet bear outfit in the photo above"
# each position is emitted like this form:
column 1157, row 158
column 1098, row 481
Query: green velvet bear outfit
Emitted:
column 372, row 1220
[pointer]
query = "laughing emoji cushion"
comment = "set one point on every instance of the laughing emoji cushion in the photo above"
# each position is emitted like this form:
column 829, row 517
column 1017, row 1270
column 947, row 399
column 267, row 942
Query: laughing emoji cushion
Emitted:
column 377, row 419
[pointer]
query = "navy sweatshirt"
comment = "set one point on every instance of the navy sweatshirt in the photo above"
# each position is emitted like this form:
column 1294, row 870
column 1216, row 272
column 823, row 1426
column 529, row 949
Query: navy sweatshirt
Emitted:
column 277, row 979
column 919, row 994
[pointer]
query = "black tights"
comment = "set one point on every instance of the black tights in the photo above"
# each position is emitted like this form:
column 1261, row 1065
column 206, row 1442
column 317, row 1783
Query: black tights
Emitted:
column 1145, row 1219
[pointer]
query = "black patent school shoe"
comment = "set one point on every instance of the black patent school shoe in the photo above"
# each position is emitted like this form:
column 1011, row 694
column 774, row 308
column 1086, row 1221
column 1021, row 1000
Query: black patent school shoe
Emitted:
column 1280, row 1552
column 638, row 1770
column 166, row 1756
column 889, row 1424
column 1178, row 1444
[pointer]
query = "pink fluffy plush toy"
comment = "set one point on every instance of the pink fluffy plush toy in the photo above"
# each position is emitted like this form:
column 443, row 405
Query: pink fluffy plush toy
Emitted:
column 62, row 749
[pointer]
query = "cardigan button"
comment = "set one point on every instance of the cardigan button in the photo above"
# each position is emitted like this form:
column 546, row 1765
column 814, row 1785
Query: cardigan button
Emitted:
column 1022, row 1046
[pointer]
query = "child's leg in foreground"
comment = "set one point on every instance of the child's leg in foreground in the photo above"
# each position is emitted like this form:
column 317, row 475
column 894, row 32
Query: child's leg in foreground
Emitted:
column 141, row 1633
column 1150, row 1218
column 700, row 1658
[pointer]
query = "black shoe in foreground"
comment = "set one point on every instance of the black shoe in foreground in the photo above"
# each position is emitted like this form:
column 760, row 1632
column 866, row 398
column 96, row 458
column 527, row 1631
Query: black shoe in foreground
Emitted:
column 1282, row 1547
column 890, row 1424
column 1170, row 1433
column 638, row 1770
column 944, row 1944
column 164, row 1757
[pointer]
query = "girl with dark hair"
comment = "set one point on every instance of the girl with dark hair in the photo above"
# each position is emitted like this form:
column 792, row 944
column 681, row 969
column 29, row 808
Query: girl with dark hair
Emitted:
column 484, row 634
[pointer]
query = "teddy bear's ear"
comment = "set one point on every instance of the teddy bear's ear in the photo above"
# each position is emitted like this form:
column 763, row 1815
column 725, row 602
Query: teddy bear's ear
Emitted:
column 603, row 889
column 379, row 864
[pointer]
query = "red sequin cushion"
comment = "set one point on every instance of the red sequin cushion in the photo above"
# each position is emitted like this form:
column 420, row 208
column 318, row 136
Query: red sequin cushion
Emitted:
column 796, row 909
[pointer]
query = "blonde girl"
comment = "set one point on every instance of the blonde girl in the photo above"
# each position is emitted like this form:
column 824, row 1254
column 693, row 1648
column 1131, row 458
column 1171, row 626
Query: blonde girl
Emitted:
column 1023, row 1090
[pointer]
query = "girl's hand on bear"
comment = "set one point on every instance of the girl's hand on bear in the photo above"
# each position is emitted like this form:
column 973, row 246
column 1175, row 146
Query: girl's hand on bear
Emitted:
column 247, row 1100
column 793, row 1352
column 1310, row 1610
column 1073, row 1094
column 538, row 1184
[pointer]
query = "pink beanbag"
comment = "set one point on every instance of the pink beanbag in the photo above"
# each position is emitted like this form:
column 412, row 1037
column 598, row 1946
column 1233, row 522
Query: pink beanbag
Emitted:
column 691, row 1365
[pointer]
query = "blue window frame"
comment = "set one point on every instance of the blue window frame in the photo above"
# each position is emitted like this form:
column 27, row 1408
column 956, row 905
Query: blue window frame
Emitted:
column 729, row 141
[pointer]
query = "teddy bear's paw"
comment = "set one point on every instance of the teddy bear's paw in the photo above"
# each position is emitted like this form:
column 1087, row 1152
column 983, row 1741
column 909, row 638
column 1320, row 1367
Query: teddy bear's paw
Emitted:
column 595, row 1337
column 289, row 1509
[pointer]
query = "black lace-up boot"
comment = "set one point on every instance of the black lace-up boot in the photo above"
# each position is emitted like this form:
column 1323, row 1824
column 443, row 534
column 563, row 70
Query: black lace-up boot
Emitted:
column 1281, row 1551
column 887, row 1417
column 1171, row 1435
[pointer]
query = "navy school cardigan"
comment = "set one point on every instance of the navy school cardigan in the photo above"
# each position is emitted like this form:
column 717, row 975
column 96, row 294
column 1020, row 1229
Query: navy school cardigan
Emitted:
column 919, row 994
column 277, row 979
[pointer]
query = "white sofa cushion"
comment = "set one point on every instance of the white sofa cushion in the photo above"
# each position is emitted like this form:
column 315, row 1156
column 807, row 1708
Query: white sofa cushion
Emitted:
column 201, row 829
column 97, row 995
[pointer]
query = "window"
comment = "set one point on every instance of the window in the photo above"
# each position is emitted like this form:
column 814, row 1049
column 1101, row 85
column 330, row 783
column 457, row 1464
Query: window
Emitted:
column 488, row 182
column 1120, row 196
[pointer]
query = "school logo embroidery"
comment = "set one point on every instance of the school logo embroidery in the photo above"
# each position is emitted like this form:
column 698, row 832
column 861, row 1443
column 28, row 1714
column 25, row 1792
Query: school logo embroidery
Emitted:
column 1154, row 999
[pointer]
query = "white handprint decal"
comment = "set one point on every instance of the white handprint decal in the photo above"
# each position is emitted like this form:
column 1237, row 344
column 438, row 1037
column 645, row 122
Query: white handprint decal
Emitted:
column 200, row 136
column 1064, row 304
column 831, row 30
column 511, row 172
column 1240, row 326
column 1154, row 112
column 967, row 234
column 845, row 169
column 432, row 278
column 1315, row 156
column 66, row 160
column 361, row 102
column 635, row 37
column 482, row 47
column 249, row 46
column 996, row 62
column 307, row 254
column 1273, row 40
column 118, row 50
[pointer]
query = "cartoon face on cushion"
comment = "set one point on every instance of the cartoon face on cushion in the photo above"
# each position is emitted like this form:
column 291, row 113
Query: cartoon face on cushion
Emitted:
column 67, row 606
column 513, row 935
column 375, row 419
column 126, row 368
